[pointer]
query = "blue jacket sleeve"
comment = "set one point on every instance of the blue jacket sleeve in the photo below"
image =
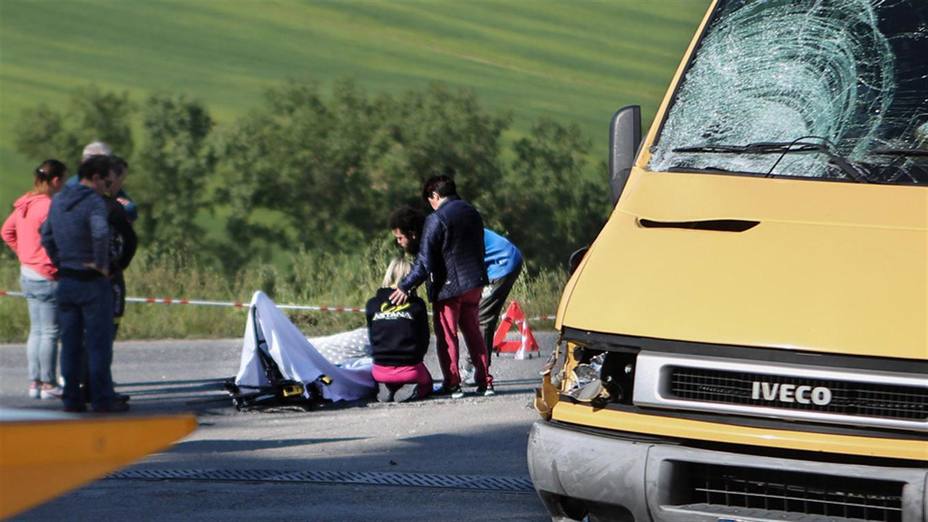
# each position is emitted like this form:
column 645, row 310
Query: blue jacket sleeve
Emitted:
column 48, row 242
column 433, row 234
column 132, row 210
column 100, row 233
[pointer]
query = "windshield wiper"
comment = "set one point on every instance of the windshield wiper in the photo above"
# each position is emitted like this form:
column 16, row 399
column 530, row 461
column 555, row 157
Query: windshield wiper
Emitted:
column 761, row 147
column 683, row 168
column 783, row 148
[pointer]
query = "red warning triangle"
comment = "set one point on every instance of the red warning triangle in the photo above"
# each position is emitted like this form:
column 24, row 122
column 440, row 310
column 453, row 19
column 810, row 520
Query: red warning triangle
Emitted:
column 526, row 343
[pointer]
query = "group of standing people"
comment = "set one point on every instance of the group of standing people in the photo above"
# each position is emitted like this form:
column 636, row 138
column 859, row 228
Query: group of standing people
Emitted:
column 468, row 271
column 73, row 240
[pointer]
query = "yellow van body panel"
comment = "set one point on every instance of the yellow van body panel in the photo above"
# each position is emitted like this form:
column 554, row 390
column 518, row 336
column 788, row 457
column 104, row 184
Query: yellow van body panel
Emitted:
column 727, row 433
column 830, row 267
column 825, row 267
column 50, row 454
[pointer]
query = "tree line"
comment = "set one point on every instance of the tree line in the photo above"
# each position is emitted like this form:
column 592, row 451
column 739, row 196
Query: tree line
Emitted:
column 320, row 170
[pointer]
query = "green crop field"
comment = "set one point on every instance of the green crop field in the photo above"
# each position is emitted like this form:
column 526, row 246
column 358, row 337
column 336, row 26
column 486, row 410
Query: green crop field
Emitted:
column 573, row 61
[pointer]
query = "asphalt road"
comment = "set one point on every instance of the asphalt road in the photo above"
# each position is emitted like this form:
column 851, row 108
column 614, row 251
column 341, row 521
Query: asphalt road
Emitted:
column 434, row 459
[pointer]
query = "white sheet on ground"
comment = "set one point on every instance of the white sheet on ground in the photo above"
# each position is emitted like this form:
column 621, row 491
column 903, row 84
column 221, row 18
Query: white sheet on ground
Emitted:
column 295, row 355
column 345, row 348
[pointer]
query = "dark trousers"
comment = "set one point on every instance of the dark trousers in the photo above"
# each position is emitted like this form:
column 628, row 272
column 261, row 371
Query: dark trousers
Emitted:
column 492, row 300
column 85, row 318
column 118, row 284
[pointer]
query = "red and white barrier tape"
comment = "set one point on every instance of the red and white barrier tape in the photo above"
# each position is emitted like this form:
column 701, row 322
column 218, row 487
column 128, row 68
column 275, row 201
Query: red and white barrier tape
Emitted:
column 240, row 304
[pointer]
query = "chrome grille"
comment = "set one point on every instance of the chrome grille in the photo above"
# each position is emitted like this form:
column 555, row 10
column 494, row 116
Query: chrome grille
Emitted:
column 790, row 492
column 847, row 398
column 803, row 392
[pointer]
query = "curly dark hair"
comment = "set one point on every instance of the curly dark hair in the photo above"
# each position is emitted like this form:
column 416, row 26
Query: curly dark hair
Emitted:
column 408, row 220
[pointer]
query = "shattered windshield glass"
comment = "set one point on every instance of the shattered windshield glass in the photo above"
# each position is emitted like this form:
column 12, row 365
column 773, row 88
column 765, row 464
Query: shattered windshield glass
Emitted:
column 832, row 89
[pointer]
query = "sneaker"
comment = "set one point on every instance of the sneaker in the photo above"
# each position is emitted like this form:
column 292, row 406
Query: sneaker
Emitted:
column 35, row 390
column 406, row 392
column 454, row 391
column 383, row 393
column 486, row 391
column 50, row 392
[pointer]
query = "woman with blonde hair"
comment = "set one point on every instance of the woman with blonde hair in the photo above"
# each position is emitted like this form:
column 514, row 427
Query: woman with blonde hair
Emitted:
column 38, row 276
column 399, row 336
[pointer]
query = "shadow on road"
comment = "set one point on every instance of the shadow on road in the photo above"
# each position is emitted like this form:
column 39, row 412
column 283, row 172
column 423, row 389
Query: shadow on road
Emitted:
column 232, row 445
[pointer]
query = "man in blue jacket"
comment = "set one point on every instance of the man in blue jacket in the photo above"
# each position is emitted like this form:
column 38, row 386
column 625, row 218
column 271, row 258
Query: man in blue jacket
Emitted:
column 76, row 236
column 503, row 262
column 450, row 261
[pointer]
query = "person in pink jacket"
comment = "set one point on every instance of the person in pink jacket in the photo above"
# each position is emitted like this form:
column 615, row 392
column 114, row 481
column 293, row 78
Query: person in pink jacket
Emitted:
column 38, row 276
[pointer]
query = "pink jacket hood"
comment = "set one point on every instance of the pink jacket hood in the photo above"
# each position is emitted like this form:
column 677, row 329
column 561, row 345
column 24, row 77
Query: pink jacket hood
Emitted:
column 21, row 232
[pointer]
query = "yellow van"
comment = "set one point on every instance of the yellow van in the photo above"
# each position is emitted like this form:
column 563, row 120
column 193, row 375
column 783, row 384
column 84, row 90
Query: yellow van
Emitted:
column 747, row 337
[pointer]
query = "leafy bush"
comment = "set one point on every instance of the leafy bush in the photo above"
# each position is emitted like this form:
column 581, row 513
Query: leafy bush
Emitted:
column 308, row 171
column 293, row 198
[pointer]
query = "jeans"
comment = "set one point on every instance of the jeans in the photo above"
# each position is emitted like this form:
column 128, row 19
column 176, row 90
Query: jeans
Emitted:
column 42, row 346
column 85, row 314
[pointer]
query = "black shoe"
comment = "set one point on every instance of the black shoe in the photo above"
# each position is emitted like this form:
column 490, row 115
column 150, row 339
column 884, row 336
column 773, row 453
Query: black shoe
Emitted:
column 114, row 406
column 117, row 397
column 454, row 391
column 384, row 394
column 74, row 408
column 486, row 391
column 406, row 392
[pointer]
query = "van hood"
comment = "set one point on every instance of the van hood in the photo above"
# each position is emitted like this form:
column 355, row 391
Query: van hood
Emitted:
column 795, row 264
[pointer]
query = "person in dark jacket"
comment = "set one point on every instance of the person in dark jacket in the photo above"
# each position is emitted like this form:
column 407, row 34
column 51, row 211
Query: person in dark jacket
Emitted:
column 450, row 262
column 76, row 236
column 123, row 244
column 123, row 240
column 399, row 336
column 502, row 259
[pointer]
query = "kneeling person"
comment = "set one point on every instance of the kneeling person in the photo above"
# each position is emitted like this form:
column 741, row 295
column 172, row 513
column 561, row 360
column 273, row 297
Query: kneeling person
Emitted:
column 399, row 337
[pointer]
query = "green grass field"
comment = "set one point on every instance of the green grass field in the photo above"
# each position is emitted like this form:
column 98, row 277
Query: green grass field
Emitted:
column 573, row 61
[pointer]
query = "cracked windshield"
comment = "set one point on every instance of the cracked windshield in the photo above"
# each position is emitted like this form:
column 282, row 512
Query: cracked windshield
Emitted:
column 833, row 89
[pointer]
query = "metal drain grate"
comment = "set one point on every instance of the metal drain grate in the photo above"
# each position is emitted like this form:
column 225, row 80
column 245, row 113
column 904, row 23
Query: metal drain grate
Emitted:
column 375, row 478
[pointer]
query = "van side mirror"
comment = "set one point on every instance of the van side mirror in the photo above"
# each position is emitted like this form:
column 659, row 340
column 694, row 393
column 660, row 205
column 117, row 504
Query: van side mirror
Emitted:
column 575, row 258
column 624, row 140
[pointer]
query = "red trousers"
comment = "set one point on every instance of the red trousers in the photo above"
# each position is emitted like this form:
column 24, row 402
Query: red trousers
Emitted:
column 449, row 314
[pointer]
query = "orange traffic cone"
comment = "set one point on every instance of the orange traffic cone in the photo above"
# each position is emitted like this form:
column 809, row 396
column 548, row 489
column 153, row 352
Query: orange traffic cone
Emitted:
column 526, row 344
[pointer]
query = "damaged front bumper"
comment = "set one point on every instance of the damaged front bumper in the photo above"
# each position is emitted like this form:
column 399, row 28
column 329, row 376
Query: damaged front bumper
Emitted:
column 621, row 477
